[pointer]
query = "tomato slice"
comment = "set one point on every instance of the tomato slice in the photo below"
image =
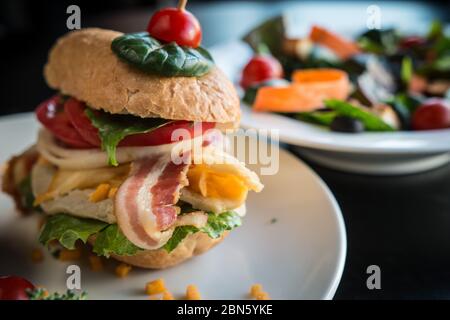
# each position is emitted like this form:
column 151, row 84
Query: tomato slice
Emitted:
column 163, row 135
column 75, row 112
column 51, row 114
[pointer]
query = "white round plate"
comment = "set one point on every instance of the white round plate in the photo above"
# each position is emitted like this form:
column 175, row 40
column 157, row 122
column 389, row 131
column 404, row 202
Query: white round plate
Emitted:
column 292, row 241
column 373, row 153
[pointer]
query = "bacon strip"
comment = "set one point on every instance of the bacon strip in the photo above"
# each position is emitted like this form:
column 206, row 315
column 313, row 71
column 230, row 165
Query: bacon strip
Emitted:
column 144, row 203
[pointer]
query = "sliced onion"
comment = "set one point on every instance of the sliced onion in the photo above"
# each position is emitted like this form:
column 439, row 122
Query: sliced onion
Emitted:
column 79, row 159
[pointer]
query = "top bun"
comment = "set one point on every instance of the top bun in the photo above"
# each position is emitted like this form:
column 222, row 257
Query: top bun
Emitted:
column 81, row 64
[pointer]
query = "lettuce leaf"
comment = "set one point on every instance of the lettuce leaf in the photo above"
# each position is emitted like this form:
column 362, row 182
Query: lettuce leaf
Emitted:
column 67, row 230
column 178, row 235
column 113, row 128
column 112, row 241
column 217, row 224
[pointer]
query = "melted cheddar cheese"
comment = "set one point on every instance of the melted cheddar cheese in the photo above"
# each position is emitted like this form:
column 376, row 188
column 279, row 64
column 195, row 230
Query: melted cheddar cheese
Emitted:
column 203, row 180
column 216, row 185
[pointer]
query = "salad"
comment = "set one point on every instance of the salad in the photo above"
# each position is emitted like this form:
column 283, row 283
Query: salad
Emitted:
column 383, row 80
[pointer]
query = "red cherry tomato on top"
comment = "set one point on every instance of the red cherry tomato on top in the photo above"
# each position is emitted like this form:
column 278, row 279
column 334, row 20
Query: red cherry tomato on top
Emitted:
column 261, row 68
column 433, row 114
column 175, row 25
column 13, row 288
column 51, row 114
column 75, row 112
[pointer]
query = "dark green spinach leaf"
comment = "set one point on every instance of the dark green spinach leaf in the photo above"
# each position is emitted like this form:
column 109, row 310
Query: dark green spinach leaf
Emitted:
column 165, row 59
column 376, row 41
column 270, row 34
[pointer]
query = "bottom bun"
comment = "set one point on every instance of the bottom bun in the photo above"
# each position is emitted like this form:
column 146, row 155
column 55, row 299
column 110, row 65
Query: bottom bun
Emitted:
column 192, row 245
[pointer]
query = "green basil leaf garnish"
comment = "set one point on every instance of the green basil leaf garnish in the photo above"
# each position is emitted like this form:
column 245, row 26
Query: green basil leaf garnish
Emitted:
column 165, row 59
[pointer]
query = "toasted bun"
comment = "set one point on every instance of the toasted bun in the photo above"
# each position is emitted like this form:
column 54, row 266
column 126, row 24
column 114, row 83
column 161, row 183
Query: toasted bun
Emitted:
column 81, row 64
column 192, row 245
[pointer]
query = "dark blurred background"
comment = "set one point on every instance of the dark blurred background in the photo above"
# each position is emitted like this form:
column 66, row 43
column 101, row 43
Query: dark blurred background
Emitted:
column 29, row 27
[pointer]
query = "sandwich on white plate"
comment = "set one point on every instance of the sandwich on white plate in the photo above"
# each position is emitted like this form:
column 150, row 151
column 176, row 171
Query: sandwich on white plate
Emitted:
column 128, row 157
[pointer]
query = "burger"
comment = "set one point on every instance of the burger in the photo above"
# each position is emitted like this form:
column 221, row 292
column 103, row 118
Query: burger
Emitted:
column 131, row 157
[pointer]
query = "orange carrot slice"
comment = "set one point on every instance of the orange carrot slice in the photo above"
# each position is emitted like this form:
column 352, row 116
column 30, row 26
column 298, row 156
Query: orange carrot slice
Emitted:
column 285, row 99
column 310, row 87
column 327, row 83
column 342, row 47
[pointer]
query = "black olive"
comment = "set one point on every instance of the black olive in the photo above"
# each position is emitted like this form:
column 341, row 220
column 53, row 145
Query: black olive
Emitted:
column 346, row 124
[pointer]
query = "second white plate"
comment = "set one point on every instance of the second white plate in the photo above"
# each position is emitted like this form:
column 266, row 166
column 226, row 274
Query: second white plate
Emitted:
column 373, row 153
